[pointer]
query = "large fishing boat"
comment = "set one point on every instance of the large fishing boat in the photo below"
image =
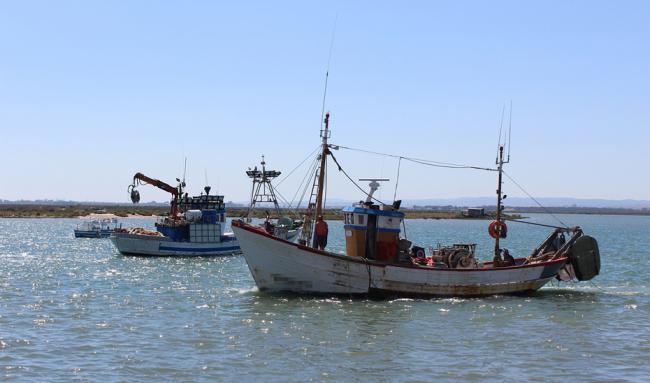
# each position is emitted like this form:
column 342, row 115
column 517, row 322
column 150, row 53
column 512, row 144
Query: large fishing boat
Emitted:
column 195, row 225
column 378, row 261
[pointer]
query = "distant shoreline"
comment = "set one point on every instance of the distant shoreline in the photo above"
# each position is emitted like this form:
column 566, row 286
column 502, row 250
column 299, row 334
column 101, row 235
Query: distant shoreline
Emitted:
column 140, row 211
column 143, row 211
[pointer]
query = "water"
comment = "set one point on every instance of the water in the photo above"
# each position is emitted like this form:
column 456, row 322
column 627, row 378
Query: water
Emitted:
column 75, row 310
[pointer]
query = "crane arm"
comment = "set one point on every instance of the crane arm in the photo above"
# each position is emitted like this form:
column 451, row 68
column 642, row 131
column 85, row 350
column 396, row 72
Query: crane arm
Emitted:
column 174, row 191
column 157, row 183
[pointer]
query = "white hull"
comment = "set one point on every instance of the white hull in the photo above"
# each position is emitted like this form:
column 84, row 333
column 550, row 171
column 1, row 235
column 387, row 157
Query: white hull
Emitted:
column 281, row 266
column 137, row 244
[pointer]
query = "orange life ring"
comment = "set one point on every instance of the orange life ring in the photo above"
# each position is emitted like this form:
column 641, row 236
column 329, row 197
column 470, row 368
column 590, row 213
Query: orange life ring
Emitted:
column 498, row 229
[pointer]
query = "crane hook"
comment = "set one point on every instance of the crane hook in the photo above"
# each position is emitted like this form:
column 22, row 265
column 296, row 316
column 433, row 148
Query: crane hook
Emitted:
column 135, row 195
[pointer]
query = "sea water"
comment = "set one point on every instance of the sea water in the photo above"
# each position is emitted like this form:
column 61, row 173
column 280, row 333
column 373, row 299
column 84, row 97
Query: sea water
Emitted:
column 76, row 310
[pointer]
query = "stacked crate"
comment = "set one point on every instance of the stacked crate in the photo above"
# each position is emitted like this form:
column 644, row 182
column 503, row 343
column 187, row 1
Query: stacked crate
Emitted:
column 205, row 232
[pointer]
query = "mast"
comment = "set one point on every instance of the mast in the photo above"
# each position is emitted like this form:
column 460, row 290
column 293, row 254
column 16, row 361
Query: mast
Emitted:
column 500, row 162
column 324, row 134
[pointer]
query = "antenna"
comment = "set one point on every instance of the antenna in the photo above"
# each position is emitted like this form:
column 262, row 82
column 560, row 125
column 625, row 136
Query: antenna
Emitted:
column 327, row 72
column 184, row 170
column 205, row 171
column 509, row 130
column 374, row 185
column 503, row 111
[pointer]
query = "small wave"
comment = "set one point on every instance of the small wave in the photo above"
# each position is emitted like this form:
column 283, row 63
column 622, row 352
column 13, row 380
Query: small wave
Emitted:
column 243, row 290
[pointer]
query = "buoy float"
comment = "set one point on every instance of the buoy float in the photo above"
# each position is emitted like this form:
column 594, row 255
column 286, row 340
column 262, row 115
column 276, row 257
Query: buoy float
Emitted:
column 498, row 229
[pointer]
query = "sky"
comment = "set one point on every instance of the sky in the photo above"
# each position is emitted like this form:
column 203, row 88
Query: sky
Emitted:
column 92, row 92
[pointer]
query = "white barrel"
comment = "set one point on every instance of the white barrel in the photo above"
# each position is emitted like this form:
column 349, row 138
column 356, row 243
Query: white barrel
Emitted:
column 193, row 215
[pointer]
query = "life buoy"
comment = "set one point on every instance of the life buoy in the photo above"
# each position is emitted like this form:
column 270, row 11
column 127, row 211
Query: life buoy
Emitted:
column 498, row 229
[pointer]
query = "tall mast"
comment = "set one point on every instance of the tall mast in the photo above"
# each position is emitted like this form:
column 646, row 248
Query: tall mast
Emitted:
column 497, row 250
column 325, row 134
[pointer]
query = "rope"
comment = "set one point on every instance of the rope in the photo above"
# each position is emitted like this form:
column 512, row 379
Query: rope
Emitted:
column 309, row 170
column 536, row 201
column 299, row 165
column 308, row 183
column 399, row 164
column 534, row 223
column 351, row 180
column 421, row 161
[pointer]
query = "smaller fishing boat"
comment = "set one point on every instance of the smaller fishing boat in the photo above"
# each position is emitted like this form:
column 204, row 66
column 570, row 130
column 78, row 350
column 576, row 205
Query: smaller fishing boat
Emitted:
column 281, row 226
column 97, row 228
column 195, row 226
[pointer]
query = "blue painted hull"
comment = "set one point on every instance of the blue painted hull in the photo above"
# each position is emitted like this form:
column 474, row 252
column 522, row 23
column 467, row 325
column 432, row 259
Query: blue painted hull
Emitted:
column 92, row 233
column 160, row 246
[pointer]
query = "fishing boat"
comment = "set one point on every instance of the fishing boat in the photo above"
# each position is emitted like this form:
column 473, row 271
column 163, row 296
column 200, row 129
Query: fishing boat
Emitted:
column 378, row 261
column 96, row 228
column 195, row 225
column 263, row 192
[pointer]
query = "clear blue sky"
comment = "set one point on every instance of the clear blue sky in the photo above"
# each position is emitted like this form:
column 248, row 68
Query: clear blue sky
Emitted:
column 92, row 92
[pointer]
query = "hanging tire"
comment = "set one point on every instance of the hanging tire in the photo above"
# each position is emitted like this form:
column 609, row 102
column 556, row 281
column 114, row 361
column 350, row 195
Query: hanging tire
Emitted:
column 584, row 256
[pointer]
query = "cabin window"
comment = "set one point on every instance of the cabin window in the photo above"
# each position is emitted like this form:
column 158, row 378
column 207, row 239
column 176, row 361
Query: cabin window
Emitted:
column 361, row 219
column 348, row 219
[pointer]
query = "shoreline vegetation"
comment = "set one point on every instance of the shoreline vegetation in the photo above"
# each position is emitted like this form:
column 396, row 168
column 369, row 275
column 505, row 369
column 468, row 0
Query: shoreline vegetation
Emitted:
column 130, row 211
column 144, row 210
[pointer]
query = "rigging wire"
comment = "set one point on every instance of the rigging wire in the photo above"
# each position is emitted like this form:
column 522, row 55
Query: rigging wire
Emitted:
column 309, row 182
column 535, row 223
column 296, row 168
column 536, row 201
column 306, row 181
column 399, row 164
column 351, row 180
column 419, row 160
column 300, row 184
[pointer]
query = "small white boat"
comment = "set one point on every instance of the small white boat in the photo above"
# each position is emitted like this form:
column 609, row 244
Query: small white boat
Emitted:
column 96, row 228
column 196, row 226
column 378, row 262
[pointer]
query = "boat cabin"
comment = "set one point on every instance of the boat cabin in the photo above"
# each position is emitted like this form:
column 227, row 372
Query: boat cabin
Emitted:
column 203, row 219
column 372, row 231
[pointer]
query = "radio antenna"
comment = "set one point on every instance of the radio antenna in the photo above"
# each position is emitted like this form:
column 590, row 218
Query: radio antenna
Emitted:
column 503, row 111
column 327, row 72
column 184, row 169
column 509, row 130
